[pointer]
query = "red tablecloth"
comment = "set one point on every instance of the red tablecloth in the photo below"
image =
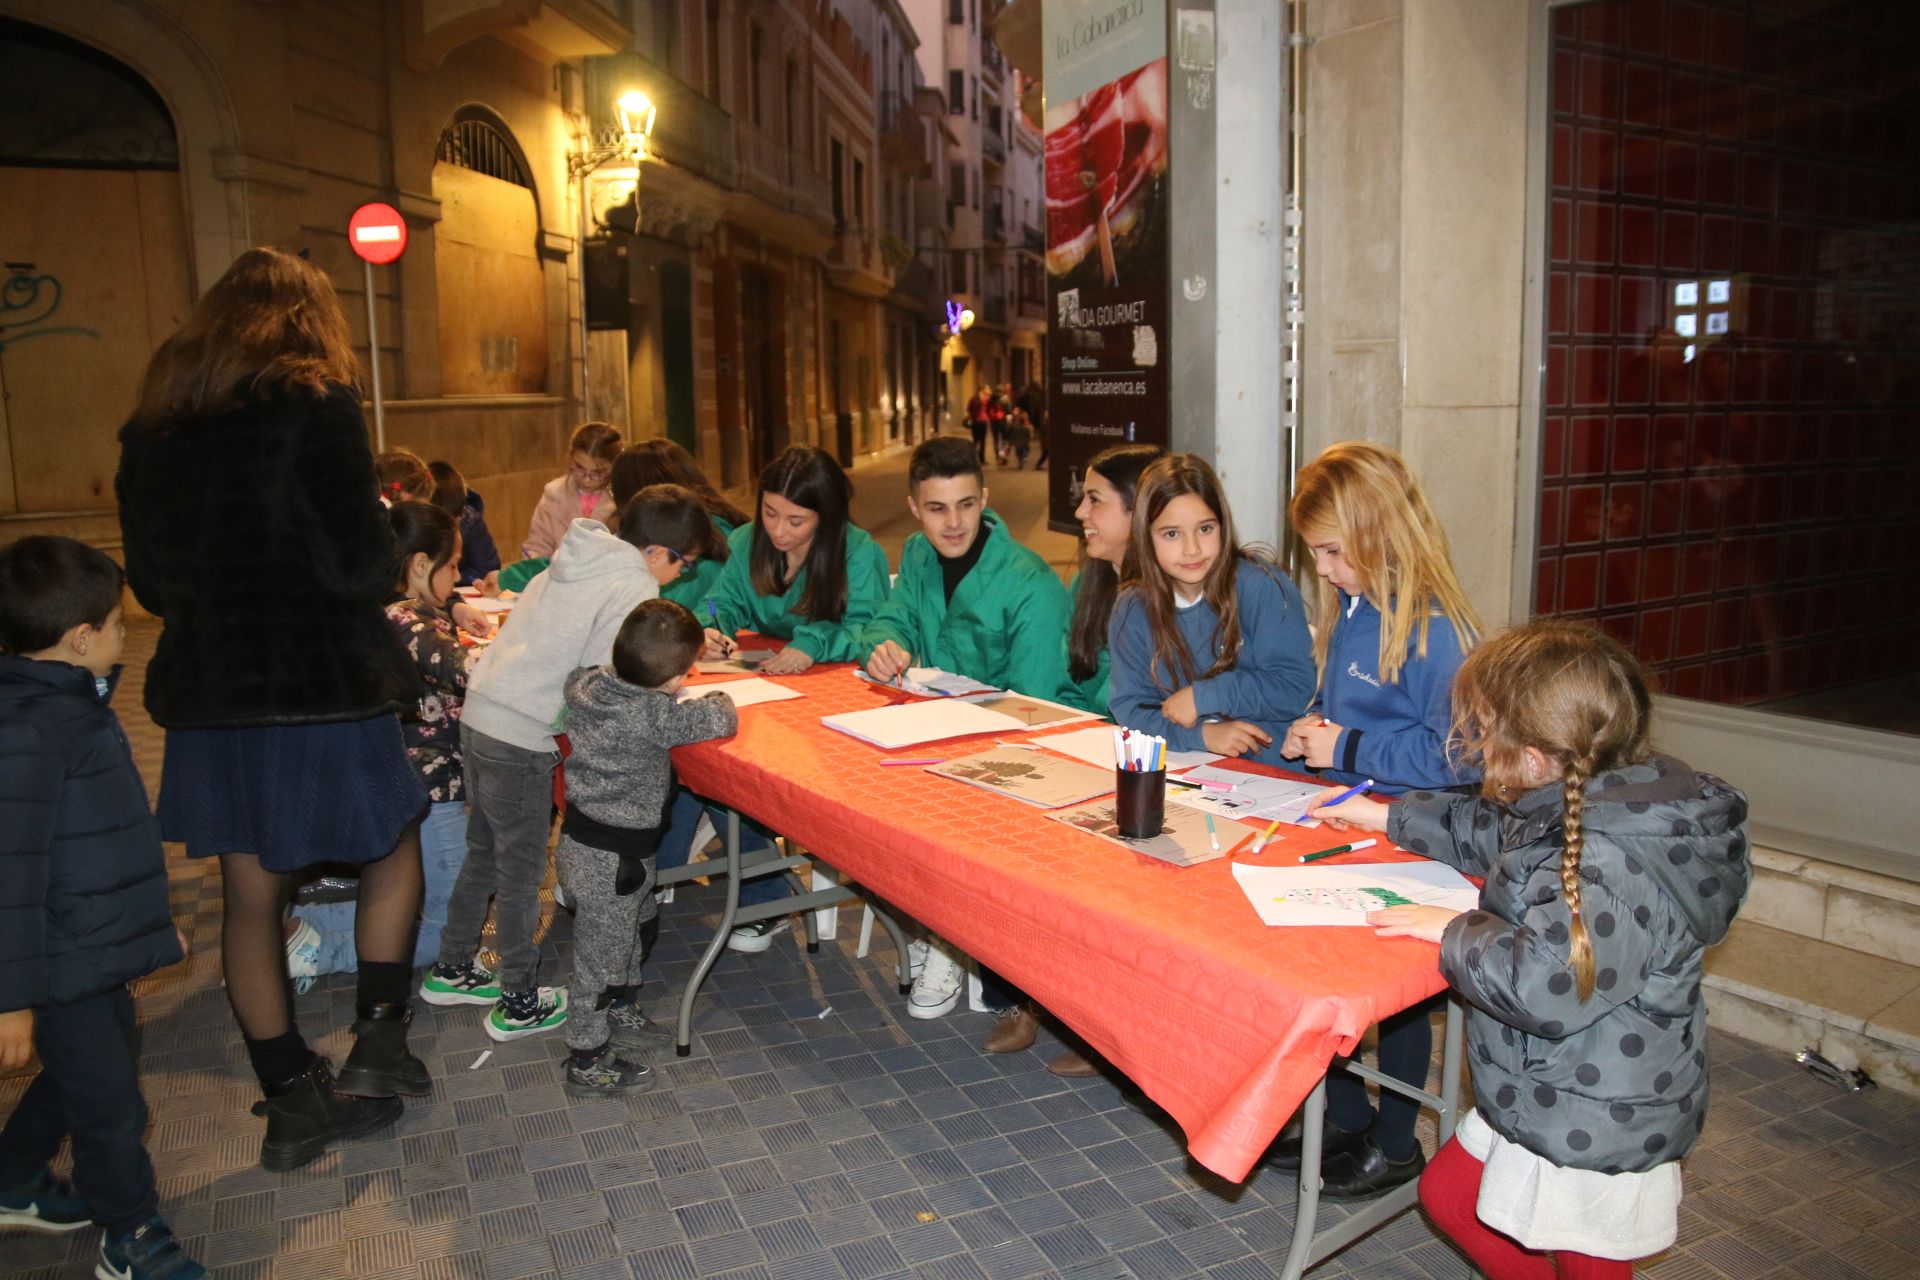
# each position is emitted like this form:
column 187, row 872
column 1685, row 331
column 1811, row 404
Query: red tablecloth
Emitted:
column 1166, row 971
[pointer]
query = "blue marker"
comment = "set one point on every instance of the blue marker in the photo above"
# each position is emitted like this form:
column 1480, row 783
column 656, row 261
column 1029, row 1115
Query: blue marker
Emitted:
column 714, row 614
column 1342, row 798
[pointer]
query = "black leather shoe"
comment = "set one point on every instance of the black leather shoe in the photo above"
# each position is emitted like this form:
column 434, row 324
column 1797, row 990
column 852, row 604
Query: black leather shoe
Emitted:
column 1284, row 1154
column 1361, row 1171
column 380, row 1066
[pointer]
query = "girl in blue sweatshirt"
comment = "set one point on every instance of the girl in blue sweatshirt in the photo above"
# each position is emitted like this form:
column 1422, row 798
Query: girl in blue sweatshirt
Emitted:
column 1210, row 645
column 1394, row 626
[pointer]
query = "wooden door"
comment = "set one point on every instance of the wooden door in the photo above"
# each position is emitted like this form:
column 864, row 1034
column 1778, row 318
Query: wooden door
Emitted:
column 96, row 277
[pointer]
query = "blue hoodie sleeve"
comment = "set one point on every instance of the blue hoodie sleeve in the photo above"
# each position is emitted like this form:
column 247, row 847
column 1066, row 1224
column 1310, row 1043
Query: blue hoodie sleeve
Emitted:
column 1134, row 700
column 1273, row 679
column 1416, row 755
column 478, row 554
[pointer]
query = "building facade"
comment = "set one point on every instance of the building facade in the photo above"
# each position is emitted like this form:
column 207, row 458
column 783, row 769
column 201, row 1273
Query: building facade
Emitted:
column 149, row 143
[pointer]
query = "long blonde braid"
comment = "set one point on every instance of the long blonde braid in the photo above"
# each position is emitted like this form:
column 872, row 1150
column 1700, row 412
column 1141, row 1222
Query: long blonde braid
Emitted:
column 1579, row 945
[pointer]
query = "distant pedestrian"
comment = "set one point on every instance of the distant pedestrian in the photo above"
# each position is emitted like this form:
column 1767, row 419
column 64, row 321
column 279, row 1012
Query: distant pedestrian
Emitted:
column 997, row 422
column 977, row 421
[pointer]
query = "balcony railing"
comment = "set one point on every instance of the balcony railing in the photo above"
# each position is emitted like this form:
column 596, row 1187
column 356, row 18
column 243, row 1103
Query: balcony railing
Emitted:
column 991, row 63
column 780, row 175
column 689, row 130
column 996, row 226
column 992, row 146
column 995, row 309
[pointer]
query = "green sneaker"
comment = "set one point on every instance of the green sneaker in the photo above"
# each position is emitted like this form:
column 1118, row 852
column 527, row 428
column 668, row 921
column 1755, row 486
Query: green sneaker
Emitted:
column 527, row 1013
column 459, row 984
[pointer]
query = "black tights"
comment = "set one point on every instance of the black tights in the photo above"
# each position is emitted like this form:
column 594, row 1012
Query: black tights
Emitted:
column 253, row 942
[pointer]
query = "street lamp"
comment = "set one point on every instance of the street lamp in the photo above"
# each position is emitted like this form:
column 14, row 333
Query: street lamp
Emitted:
column 629, row 143
column 624, row 148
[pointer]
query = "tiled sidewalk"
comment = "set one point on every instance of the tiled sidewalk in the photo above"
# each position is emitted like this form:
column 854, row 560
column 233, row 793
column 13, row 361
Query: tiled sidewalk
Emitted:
column 819, row 1134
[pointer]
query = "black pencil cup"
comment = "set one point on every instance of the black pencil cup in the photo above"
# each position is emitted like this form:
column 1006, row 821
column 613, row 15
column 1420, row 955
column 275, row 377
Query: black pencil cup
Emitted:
column 1140, row 802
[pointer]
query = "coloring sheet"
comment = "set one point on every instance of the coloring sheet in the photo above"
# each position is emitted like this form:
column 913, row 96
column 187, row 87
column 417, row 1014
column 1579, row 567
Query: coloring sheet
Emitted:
column 1342, row 895
column 1254, row 796
column 745, row 693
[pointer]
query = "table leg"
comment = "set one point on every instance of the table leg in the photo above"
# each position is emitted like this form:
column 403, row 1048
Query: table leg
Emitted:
column 1452, row 1054
column 683, row 1032
column 1312, row 1115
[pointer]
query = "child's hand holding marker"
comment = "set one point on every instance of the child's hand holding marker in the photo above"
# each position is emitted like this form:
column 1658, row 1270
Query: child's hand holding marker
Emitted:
column 1342, row 810
column 888, row 661
column 1334, row 803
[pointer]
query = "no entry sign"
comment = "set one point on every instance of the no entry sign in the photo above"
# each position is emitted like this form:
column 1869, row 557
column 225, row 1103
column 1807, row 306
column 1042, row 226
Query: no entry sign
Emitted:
column 377, row 233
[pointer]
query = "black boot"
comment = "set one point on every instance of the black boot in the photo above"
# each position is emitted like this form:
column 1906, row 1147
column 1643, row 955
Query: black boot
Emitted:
column 306, row 1113
column 380, row 1065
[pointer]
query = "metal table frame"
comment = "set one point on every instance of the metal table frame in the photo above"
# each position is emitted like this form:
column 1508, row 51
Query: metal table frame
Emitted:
column 1309, row 1248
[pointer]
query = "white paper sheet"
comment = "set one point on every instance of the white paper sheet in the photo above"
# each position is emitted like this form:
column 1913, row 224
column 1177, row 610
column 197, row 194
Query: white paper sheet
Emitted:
column 1095, row 746
column 745, row 693
column 908, row 723
column 490, row 604
column 1253, row 796
column 1343, row 895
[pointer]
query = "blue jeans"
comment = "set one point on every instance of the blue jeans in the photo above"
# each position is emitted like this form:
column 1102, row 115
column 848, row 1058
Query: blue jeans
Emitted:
column 676, row 846
column 443, row 851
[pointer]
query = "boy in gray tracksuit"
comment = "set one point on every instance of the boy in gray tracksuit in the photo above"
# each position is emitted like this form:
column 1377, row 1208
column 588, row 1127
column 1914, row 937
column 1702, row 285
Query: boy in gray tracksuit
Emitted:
column 622, row 720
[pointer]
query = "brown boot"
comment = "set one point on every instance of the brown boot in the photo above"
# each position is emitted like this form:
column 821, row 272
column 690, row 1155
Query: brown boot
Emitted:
column 1014, row 1031
column 1073, row 1064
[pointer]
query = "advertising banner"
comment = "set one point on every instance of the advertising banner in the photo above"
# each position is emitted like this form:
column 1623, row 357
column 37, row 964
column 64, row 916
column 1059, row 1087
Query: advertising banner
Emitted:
column 1108, row 213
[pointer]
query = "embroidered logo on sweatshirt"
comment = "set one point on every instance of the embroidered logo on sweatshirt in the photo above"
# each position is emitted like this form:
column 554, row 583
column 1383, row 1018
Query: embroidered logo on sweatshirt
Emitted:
column 1353, row 669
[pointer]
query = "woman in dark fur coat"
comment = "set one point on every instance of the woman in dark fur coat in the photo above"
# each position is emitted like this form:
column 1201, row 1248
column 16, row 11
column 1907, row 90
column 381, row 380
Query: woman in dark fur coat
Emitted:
column 246, row 492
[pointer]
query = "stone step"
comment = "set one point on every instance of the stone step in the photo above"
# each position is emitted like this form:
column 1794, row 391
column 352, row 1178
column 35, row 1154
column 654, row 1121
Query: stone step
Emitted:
column 1872, row 913
column 1790, row 992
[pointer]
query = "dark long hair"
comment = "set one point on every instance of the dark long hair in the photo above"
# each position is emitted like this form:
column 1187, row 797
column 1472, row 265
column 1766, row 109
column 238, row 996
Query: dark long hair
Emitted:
column 1100, row 580
column 271, row 324
column 664, row 462
column 810, row 478
column 1173, row 666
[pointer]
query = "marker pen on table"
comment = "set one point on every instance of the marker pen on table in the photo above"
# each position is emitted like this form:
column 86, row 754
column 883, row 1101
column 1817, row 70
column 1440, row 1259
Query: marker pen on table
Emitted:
column 1342, row 798
column 1339, row 848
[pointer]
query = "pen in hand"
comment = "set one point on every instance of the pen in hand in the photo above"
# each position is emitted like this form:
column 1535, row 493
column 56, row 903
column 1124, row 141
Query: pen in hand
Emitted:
column 726, row 644
column 1342, row 798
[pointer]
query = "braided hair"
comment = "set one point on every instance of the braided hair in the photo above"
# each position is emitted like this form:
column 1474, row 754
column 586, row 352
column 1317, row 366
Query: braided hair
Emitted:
column 1576, row 697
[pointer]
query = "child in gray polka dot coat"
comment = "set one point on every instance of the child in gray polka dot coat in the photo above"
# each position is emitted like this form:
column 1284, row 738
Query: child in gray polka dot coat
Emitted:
column 1609, row 870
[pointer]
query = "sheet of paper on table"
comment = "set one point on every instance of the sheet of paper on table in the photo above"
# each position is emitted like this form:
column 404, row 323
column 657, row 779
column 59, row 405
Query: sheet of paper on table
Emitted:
column 909, row 723
column 745, row 693
column 1183, row 839
column 490, row 604
column 1027, row 712
column 1254, row 796
column 1094, row 744
column 943, row 683
column 743, row 662
column 1031, row 776
column 1343, row 894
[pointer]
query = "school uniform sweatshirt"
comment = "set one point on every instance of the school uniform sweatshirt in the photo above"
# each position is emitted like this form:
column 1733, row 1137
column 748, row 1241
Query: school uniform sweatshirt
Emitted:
column 1269, row 684
column 1002, row 626
column 734, row 605
column 1394, row 732
column 566, row 618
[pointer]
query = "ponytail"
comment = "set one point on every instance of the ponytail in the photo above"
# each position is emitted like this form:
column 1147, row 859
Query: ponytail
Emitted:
column 1579, row 944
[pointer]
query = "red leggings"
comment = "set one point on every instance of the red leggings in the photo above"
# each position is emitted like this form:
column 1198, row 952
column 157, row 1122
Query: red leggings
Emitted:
column 1450, row 1189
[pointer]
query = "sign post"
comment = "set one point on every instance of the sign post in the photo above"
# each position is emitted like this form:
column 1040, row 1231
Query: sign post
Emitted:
column 378, row 234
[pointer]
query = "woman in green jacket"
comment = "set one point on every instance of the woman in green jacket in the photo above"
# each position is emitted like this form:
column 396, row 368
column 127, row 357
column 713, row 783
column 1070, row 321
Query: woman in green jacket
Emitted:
column 801, row 572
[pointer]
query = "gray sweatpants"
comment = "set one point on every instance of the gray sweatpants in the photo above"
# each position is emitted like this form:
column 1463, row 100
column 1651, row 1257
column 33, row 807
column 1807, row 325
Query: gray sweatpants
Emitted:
column 509, row 815
column 606, row 936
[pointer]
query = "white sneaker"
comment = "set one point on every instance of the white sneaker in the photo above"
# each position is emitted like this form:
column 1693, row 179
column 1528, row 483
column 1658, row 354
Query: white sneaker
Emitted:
column 758, row 936
column 939, row 985
column 303, row 955
column 917, row 957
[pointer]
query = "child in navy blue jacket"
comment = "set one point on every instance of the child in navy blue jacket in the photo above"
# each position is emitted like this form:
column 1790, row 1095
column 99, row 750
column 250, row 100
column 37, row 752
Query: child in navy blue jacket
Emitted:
column 1393, row 628
column 1210, row 644
column 83, row 911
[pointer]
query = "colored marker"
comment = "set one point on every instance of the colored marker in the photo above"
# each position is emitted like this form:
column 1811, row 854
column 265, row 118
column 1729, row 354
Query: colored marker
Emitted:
column 1342, row 798
column 1266, row 835
column 1339, row 848
column 1213, row 834
column 726, row 645
column 1243, row 844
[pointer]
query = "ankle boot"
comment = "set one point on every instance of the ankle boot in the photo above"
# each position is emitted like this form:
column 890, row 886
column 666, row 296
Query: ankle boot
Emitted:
column 380, row 1066
column 1015, row 1030
column 307, row 1113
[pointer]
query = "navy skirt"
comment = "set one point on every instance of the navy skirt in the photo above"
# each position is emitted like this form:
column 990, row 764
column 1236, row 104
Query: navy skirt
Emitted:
column 291, row 795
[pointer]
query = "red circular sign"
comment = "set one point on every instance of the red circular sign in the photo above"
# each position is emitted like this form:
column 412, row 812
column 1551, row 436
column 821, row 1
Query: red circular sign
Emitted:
column 377, row 233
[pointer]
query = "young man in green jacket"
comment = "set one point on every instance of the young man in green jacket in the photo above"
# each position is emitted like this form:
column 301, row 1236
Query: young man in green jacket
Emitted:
column 972, row 601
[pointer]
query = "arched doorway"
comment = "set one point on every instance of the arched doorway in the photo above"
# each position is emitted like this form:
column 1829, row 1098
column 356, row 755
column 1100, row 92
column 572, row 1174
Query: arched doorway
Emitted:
column 492, row 284
column 94, row 242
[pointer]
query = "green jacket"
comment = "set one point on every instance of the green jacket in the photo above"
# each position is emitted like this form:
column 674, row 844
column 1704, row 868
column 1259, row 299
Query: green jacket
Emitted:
column 689, row 589
column 1003, row 626
column 1089, row 694
column 738, row 607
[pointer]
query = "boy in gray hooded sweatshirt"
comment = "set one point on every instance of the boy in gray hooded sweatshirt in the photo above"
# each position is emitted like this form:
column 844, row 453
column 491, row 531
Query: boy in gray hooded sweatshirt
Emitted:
column 622, row 720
